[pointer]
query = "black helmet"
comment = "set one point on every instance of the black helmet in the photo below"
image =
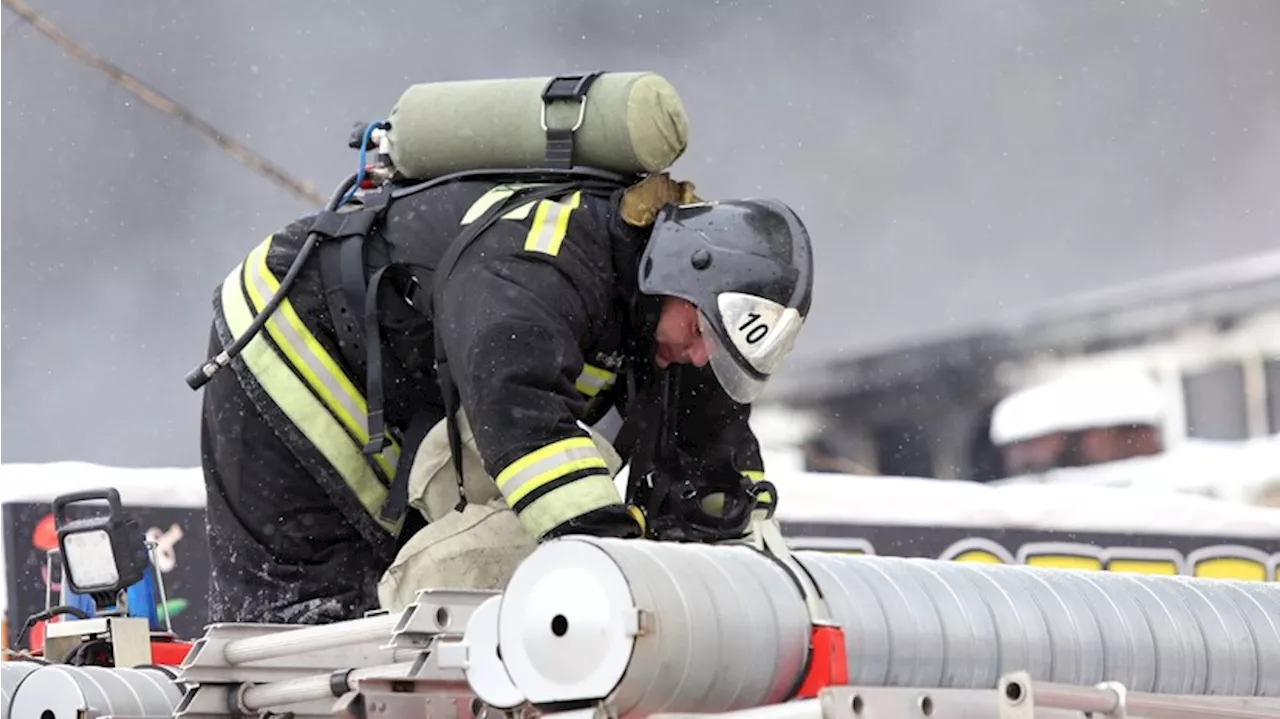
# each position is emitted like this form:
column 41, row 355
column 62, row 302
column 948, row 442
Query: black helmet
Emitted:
column 748, row 268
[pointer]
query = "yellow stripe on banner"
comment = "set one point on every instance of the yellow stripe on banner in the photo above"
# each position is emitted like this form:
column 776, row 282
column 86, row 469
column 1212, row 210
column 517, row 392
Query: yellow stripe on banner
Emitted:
column 550, row 223
column 300, row 406
column 310, row 358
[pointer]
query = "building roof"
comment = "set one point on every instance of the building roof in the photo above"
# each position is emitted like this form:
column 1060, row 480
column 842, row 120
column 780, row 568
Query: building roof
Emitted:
column 1091, row 321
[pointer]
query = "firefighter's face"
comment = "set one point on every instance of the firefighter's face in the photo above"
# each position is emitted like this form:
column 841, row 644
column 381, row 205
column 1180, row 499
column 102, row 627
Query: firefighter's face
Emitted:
column 679, row 338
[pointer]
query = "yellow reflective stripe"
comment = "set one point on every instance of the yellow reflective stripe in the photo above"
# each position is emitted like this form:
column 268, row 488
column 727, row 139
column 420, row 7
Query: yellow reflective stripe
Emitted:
column 638, row 515
column 496, row 195
column 594, row 380
column 302, row 408
column 561, row 503
column 572, row 499
column 550, row 223
column 537, row 469
column 310, row 358
column 713, row 504
column 552, row 485
column 756, row 476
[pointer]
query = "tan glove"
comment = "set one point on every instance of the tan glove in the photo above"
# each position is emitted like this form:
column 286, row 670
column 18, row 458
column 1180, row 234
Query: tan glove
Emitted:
column 641, row 201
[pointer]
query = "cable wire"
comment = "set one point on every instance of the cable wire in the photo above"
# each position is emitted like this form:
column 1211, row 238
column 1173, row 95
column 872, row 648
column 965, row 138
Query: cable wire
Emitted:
column 154, row 98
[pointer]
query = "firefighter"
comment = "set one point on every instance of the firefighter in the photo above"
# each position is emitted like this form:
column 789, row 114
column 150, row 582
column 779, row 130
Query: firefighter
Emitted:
column 327, row 452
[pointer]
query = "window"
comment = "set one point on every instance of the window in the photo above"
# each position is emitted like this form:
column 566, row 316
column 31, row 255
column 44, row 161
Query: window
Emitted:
column 1215, row 403
column 902, row 450
column 986, row 461
column 1271, row 368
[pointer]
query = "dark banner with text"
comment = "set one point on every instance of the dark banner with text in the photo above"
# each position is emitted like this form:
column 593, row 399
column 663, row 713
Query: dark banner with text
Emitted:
column 1223, row 557
column 182, row 553
column 182, row 556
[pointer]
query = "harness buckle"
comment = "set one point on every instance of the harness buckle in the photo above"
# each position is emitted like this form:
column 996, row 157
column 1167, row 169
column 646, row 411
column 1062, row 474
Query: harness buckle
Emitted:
column 411, row 291
column 560, row 140
column 568, row 87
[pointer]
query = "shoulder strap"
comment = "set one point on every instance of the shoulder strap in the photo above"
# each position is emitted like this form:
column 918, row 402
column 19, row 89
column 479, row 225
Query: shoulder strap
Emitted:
column 342, row 273
column 398, row 493
column 342, row 270
column 353, row 307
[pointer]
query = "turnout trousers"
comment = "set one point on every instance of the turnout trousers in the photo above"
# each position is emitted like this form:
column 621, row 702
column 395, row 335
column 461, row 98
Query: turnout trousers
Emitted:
column 281, row 550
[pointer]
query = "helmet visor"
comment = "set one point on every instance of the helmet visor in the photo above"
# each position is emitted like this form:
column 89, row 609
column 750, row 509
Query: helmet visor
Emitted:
column 742, row 385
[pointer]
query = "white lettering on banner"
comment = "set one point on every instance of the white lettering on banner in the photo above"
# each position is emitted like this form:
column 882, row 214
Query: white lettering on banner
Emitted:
column 166, row 558
column 977, row 549
column 1217, row 561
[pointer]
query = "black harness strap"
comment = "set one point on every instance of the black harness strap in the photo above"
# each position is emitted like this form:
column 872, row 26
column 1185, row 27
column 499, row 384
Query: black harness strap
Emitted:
column 656, row 460
column 342, row 266
column 398, row 493
column 637, row 376
column 344, row 291
column 342, row 270
column 374, row 392
column 334, row 224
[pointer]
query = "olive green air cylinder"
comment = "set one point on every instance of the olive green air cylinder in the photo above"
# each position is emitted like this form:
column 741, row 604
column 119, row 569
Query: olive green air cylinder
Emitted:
column 633, row 122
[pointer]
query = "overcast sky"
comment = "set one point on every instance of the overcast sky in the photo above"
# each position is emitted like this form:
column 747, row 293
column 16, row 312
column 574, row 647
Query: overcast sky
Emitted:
column 953, row 160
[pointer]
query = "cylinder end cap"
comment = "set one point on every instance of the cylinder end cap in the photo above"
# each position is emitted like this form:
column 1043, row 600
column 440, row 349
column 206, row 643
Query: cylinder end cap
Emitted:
column 567, row 623
column 483, row 666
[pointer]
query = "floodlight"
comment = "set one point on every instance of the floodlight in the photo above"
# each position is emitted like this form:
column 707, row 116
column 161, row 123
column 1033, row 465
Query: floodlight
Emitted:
column 101, row 555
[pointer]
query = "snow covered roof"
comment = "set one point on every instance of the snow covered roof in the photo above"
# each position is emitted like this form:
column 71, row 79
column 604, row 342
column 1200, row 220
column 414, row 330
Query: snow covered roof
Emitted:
column 139, row 486
column 871, row 500
column 808, row 497
column 1240, row 471
column 1093, row 398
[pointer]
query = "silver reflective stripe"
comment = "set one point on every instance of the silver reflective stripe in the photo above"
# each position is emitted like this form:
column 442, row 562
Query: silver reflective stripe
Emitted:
column 549, row 225
column 300, row 405
column 548, row 464
column 594, row 380
column 297, row 348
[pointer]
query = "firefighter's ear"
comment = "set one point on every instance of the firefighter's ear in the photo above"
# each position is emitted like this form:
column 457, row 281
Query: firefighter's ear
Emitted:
column 641, row 201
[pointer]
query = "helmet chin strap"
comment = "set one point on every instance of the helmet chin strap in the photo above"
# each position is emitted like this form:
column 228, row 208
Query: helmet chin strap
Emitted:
column 646, row 311
column 640, row 372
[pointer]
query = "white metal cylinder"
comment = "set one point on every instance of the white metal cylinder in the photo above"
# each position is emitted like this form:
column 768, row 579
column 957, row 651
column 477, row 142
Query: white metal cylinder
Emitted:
column 11, row 674
column 254, row 698
column 657, row 627
column 60, row 691
column 795, row 709
column 927, row 622
column 290, row 641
